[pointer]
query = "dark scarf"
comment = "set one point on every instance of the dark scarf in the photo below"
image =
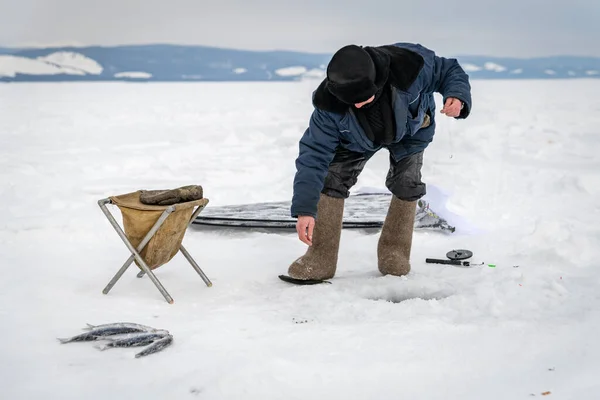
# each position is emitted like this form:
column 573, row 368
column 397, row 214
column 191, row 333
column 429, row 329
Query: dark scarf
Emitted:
column 377, row 118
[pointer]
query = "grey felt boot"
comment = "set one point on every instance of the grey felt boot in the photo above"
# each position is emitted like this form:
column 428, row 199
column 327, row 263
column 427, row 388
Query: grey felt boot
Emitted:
column 320, row 260
column 393, row 249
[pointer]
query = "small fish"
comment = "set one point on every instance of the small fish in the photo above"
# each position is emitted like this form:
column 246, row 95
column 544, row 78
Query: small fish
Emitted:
column 140, row 328
column 99, row 332
column 156, row 346
column 135, row 340
column 122, row 336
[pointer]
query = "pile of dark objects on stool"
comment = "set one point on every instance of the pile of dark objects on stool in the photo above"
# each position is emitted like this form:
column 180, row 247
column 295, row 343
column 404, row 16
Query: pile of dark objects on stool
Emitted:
column 125, row 334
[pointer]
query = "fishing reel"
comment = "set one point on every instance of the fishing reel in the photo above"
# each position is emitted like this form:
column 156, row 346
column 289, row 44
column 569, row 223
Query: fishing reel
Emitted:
column 454, row 257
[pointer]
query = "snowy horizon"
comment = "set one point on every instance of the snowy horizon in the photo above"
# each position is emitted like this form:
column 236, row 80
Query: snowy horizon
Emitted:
column 196, row 63
column 33, row 45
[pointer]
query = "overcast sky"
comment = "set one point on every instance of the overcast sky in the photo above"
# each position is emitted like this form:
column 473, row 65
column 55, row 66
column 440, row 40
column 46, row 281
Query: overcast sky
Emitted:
column 518, row 28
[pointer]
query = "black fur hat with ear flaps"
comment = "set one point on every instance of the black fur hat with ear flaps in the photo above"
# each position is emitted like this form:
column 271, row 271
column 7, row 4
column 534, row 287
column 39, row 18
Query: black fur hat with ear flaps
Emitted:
column 352, row 75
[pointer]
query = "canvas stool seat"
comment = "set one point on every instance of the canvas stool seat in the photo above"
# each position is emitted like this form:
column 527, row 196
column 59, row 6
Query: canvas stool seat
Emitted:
column 153, row 234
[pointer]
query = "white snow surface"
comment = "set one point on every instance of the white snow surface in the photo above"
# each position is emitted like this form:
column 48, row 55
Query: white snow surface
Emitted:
column 491, row 66
column 470, row 67
column 72, row 60
column 63, row 62
column 315, row 73
column 133, row 74
column 520, row 168
column 291, row 71
column 13, row 65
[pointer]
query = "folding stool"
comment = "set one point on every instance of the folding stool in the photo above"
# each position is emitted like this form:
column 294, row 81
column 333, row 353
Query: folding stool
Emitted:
column 153, row 234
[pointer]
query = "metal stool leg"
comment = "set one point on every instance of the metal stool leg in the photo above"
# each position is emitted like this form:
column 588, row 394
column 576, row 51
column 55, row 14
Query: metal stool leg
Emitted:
column 195, row 266
column 187, row 255
column 118, row 275
column 155, row 280
column 135, row 254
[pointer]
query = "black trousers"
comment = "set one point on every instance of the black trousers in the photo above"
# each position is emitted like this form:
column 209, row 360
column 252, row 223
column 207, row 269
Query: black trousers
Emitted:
column 403, row 177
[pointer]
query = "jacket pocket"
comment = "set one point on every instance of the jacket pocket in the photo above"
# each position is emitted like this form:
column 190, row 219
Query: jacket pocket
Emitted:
column 421, row 120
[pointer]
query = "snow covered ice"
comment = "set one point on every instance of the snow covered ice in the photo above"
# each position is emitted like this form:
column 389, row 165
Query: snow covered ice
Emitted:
column 522, row 172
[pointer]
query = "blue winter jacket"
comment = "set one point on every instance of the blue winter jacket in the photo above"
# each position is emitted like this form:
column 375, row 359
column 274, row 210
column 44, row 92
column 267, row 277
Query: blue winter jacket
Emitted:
column 415, row 74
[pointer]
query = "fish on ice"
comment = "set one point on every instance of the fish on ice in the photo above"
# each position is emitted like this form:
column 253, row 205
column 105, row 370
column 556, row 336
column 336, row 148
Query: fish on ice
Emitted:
column 156, row 346
column 103, row 331
column 134, row 340
column 121, row 324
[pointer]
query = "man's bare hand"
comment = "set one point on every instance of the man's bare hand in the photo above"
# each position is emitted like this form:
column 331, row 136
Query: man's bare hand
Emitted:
column 452, row 107
column 305, row 227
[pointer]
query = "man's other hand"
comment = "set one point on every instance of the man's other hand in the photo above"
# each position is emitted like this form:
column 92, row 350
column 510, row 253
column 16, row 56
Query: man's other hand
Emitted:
column 452, row 107
column 305, row 226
